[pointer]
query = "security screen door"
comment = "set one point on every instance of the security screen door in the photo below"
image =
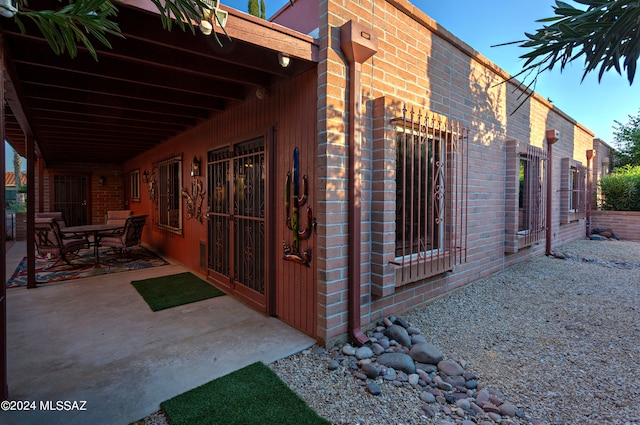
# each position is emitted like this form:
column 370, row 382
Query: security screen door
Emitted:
column 71, row 196
column 236, row 220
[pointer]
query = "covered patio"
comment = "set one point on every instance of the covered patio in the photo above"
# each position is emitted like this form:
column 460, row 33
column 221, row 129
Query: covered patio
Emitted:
column 88, row 339
column 96, row 340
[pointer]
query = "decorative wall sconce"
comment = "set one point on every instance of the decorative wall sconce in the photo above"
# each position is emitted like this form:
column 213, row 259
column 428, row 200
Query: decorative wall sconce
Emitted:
column 145, row 177
column 195, row 167
column 102, row 180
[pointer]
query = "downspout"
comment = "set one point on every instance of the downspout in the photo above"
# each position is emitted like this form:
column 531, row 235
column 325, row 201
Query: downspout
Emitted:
column 590, row 154
column 552, row 137
column 357, row 44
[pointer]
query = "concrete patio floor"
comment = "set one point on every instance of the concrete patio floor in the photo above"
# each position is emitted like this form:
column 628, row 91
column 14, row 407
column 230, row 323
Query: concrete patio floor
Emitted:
column 95, row 340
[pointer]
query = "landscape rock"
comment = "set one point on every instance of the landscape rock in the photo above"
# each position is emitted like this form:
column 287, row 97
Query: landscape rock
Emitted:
column 425, row 352
column 398, row 361
column 374, row 388
column 398, row 333
column 363, row 353
column 450, row 368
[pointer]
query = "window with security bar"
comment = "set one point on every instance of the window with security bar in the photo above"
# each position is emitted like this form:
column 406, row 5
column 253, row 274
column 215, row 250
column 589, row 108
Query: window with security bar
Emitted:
column 573, row 191
column 169, row 195
column 525, row 195
column 419, row 192
column 431, row 197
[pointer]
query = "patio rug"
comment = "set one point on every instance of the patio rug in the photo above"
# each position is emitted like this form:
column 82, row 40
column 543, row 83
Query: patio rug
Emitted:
column 252, row 395
column 178, row 289
column 83, row 266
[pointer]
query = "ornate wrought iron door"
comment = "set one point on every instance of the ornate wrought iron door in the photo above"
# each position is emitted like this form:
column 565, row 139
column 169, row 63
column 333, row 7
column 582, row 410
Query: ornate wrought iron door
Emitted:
column 237, row 194
column 71, row 196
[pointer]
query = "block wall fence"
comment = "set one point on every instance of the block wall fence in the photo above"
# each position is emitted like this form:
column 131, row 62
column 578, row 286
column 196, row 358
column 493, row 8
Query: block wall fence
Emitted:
column 625, row 224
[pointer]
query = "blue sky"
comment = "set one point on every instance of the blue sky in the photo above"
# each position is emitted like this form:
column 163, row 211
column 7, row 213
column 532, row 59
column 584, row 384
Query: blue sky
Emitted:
column 482, row 24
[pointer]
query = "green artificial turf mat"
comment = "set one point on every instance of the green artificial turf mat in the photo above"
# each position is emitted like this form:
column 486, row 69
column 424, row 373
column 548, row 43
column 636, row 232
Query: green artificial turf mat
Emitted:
column 252, row 395
column 171, row 291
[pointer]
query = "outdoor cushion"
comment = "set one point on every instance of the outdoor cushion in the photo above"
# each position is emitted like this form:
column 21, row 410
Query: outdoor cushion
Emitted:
column 118, row 217
column 56, row 215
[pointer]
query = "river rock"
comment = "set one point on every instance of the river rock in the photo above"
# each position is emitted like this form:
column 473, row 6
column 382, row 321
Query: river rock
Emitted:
column 398, row 361
column 417, row 339
column 425, row 352
column 400, row 321
column 398, row 333
column 371, row 371
column 363, row 353
column 507, row 409
column 377, row 349
column 427, row 397
column 450, row 368
column 374, row 388
column 348, row 350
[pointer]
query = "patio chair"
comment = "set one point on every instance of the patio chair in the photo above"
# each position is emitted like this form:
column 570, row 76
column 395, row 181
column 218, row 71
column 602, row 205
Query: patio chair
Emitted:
column 56, row 215
column 118, row 218
column 51, row 243
column 59, row 218
column 130, row 236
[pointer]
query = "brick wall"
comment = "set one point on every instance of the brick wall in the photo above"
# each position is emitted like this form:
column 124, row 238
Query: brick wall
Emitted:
column 422, row 66
column 625, row 224
column 102, row 197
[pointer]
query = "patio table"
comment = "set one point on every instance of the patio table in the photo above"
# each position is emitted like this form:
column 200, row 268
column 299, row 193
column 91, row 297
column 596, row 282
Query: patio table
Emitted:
column 92, row 230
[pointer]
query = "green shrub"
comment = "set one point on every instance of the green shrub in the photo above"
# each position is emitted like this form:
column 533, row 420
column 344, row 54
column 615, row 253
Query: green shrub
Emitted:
column 621, row 189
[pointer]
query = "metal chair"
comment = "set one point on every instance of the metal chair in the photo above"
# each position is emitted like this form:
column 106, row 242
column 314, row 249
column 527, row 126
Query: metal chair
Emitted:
column 119, row 218
column 130, row 236
column 51, row 243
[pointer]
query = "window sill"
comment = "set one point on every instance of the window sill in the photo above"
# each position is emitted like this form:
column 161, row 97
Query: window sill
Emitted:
column 416, row 269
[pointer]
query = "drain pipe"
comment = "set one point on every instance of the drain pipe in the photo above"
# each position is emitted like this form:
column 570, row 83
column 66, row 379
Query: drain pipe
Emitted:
column 590, row 154
column 357, row 44
column 552, row 137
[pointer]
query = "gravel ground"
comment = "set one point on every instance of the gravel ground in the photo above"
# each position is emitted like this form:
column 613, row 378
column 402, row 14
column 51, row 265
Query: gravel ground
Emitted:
column 560, row 338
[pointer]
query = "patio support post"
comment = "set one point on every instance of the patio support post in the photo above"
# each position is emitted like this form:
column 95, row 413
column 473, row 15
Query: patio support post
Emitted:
column 588, row 200
column 4, row 387
column 358, row 44
column 552, row 137
column 31, row 203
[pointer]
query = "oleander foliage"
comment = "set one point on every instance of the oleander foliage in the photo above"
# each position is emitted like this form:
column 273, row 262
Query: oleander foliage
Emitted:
column 621, row 189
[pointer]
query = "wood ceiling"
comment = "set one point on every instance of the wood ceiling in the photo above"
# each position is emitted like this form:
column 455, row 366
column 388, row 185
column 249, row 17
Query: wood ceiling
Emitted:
column 148, row 88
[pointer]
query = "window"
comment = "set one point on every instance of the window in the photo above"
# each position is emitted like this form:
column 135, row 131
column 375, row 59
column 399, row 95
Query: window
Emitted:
column 573, row 191
column 530, row 176
column 134, row 185
column 525, row 195
column 430, row 195
column 169, row 197
column 419, row 192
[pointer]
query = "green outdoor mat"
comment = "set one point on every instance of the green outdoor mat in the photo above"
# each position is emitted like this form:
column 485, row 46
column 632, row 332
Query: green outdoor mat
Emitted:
column 174, row 290
column 252, row 395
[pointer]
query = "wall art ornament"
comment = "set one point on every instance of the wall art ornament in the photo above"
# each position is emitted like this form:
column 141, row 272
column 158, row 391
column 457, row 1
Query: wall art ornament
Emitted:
column 194, row 199
column 292, row 251
column 153, row 191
